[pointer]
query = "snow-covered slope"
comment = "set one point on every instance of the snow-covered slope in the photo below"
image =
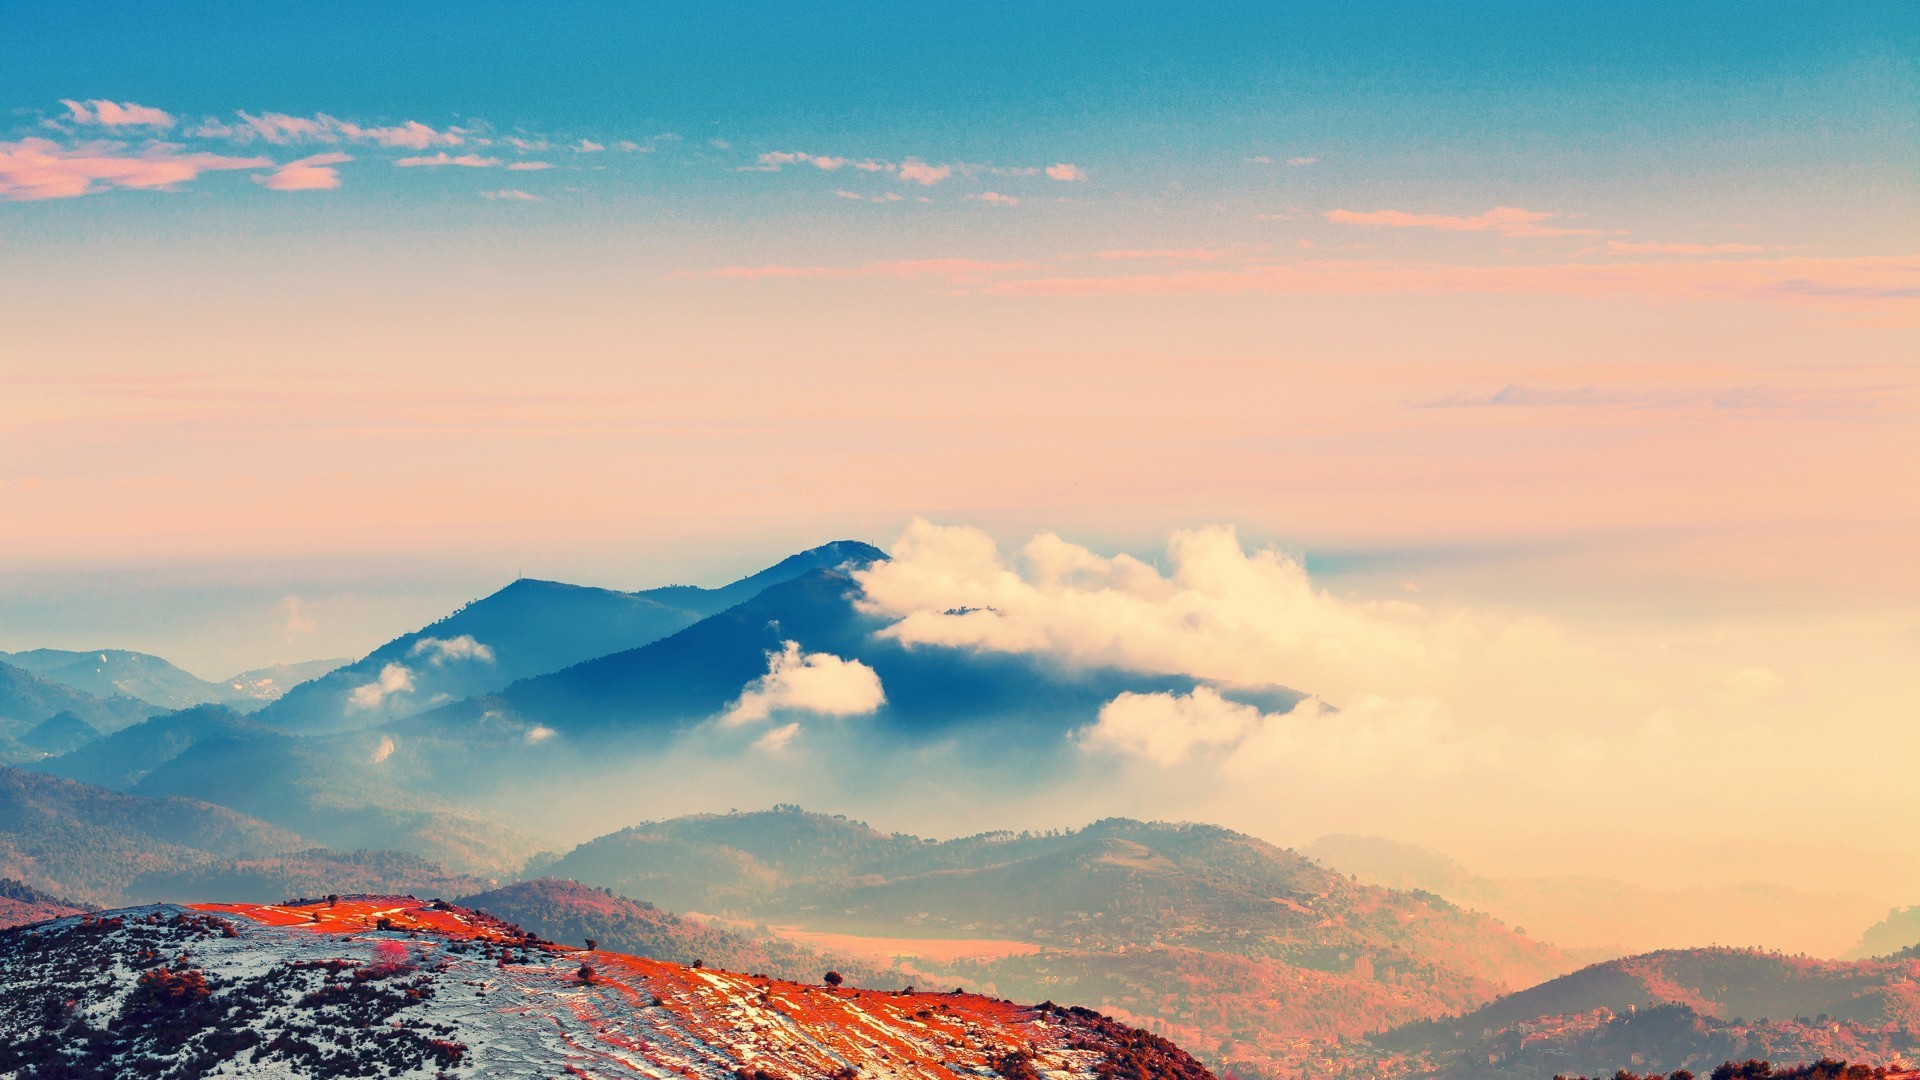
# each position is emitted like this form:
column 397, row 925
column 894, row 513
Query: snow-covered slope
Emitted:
column 396, row 987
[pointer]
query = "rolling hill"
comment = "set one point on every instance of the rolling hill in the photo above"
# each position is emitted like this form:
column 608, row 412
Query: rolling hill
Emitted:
column 1251, row 954
column 395, row 987
column 89, row 843
column 21, row 904
column 123, row 759
column 569, row 913
column 1683, row 1008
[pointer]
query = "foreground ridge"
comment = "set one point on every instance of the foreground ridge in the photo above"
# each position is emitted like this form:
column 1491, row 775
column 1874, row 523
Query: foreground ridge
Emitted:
column 396, row 986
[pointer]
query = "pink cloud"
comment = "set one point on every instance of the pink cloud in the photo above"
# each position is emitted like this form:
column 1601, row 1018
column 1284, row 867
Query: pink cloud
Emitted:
column 511, row 195
column 1197, row 254
column 1868, row 281
column 922, row 173
column 1064, row 171
column 314, row 173
column 1621, row 247
column 529, row 166
column 470, row 161
column 412, row 135
column 121, row 114
column 1503, row 220
column 995, row 198
column 35, row 168
column 956, row 270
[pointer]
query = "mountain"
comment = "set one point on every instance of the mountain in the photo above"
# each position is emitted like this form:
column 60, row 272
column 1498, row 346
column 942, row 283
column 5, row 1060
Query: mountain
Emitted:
column 60, row 733
column 322, row 788
column 1605, row 917
column 691, row 677
column 27, row 699
column 442, row 783
column 1248, row 953
column 123, row 759
column 107, row 672
column 1683, row 1008
column 335, row 791
column 396, row 987
column 21, row 904
column 528, row 628
column 269, row 683
column 90, row 843
column 316, row 872
column 1899, row 930
column 570, row 913
column 103, row 847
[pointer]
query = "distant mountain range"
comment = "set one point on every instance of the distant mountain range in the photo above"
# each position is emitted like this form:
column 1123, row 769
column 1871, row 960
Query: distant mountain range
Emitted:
column 322, row 760
column 67, row 839
column 527, row 629
column 1899, row 930
column 108, row 673
column 1608, row 917
column 28, row 701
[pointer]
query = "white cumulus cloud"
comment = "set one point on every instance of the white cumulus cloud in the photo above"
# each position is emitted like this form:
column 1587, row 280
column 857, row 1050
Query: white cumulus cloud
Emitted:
column 394, row 679
column 797, row 681
column 1169, row 728
column 445, row 650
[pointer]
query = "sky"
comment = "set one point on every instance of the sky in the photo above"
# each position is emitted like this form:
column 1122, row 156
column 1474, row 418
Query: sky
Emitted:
column 1601, row 318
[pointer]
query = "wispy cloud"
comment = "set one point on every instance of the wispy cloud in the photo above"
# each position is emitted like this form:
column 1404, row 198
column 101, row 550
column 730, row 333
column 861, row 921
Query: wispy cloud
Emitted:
column 316, row 173
column 529, row 166
column 1501, row 220
column 912, row 170
column 511, row 195
column 469, row 161
column 36, row 168
column 776, row 160
column 116, row 114
column 1739, row 398
column 281, row 128
column 995, row 198
column 882, row 197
